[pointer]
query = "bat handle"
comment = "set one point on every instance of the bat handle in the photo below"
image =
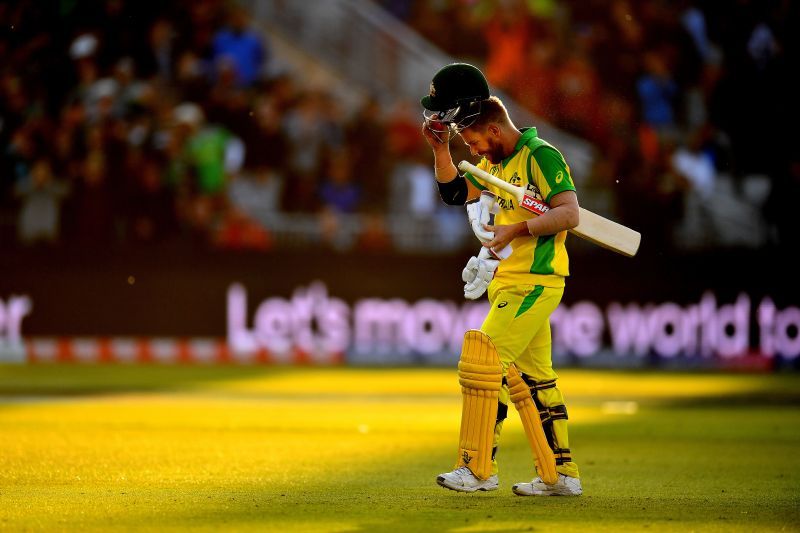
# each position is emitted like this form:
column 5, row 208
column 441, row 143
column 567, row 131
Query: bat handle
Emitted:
column 482, row 175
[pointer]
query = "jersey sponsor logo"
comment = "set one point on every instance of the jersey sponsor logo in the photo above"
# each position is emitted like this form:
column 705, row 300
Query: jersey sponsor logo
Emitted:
column 502, row 305
column 561, row 176
column 515, row 180
column 506, row 204
column 532, row 204
column 494, row 170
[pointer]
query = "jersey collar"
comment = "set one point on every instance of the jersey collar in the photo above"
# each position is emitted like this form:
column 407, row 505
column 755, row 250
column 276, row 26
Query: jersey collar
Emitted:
column 527, row 134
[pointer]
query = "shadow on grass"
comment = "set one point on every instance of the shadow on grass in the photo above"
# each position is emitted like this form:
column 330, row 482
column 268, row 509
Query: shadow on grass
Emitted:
column 75, row 380
column 785, row 398
column 71, row 380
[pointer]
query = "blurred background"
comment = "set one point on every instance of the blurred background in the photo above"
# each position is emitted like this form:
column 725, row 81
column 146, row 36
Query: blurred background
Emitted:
column 217, row 181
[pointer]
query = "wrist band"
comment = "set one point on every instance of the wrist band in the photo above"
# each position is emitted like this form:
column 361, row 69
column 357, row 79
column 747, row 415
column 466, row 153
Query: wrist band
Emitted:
column 453, row 192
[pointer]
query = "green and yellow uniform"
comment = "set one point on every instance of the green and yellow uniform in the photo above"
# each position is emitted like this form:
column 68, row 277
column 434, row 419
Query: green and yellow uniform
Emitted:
column 541, row 169
column 528, row 286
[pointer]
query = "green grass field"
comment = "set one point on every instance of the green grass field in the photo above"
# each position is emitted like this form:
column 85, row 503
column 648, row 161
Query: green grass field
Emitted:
column 252, row 448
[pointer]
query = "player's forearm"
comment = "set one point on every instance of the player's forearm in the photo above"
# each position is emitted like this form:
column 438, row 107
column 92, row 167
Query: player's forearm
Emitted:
column 557, row 219
column 453, row 188
column 444, row 168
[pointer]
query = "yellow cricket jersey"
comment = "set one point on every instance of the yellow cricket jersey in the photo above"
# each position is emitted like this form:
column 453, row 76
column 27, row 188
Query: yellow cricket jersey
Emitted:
column 541, row 169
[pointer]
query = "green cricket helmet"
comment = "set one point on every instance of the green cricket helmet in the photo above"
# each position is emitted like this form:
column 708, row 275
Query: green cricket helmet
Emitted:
column 457, row 91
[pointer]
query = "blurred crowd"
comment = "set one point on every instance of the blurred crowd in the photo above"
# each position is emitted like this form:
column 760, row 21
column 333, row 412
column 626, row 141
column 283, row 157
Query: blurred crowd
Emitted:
column 690, row 102
column 125, row 122
column 128, row 122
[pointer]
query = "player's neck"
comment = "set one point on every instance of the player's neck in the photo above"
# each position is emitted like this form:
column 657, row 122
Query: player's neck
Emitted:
column 509, row 138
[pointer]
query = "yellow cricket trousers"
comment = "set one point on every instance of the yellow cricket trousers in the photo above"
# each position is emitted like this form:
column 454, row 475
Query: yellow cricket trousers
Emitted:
column 519, row 326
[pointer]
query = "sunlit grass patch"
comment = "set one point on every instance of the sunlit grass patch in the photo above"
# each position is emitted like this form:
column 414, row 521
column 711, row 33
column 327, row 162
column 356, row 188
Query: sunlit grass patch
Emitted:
column 103, row 448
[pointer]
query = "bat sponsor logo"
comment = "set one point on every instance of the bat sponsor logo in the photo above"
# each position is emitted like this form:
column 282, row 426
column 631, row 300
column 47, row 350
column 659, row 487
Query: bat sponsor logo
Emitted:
column 534, row 191
column 532, row 204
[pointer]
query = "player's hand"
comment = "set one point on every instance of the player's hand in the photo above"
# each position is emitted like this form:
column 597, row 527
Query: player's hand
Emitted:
column 505, row 233
column 437, row 135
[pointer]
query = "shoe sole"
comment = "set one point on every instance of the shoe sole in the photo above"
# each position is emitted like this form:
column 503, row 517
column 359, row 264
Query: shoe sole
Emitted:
column 542, row 493
column 442, row 482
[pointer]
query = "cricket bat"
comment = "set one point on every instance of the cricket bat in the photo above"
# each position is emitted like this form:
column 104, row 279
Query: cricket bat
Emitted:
column 591, row 226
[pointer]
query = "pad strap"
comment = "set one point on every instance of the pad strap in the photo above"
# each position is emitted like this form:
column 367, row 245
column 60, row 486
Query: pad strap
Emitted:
column 538, row 385
column 562, row 456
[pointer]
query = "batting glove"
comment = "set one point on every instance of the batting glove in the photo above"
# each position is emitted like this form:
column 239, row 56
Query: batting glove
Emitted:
column 478, row 212
column 478, row 274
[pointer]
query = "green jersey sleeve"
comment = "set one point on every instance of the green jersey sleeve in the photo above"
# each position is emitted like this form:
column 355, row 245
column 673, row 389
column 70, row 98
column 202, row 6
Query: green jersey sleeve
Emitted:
column 554, row 170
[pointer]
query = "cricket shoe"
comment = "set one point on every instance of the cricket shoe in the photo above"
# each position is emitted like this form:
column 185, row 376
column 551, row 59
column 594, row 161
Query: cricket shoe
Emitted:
column 565, row 486
column 463, row 480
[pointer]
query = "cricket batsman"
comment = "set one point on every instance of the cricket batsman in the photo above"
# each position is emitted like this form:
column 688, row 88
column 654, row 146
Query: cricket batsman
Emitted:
column 523, row 263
